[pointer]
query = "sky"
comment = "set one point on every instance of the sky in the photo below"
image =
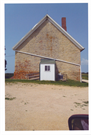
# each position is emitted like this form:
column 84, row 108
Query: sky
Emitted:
column 20, row 18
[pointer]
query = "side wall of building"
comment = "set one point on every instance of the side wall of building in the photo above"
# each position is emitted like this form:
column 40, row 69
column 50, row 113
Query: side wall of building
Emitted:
column 47, row 41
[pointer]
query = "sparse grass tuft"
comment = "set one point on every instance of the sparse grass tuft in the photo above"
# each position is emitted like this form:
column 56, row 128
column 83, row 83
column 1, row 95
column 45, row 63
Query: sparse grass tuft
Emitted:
column 85, row 103
column 71, row 109
column 9, row 98
column 25, row 103
column 77, row 103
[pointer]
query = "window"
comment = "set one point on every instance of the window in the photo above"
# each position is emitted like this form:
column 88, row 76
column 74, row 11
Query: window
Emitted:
column 47, row 68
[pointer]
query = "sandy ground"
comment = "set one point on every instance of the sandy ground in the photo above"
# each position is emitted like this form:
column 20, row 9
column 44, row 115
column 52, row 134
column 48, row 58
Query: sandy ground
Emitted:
column 42, row 107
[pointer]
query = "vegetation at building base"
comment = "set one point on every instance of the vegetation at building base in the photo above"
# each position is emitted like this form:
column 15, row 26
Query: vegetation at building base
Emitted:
column 65, row 83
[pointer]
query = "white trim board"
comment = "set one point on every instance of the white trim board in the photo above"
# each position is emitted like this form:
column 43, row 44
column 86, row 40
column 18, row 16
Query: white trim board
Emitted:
column 47, row 58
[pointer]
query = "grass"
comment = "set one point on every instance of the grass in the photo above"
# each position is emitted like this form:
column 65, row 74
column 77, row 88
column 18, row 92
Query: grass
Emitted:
column 85, row 103
column 84, row 76
column 25, row 103
column 78, row 104
column 9, row 98
column 65, row 83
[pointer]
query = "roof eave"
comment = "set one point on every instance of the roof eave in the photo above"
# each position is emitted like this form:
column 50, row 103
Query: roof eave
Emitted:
column 82, row 49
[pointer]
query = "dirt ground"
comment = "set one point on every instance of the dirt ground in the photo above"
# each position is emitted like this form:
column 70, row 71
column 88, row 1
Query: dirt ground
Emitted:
column 42, row 107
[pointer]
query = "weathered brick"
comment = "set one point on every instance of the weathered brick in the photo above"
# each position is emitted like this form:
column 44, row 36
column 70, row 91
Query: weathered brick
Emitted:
column 47, row 41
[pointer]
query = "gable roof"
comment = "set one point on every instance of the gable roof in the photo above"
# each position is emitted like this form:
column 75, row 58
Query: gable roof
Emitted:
column 47, row 17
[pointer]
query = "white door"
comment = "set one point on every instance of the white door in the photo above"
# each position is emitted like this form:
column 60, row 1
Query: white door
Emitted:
column 47, row 72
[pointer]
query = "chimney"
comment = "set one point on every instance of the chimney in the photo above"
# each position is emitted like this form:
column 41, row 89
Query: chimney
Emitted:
column 64, row 23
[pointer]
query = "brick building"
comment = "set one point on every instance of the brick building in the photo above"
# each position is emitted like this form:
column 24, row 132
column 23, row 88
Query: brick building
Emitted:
column 48, row 40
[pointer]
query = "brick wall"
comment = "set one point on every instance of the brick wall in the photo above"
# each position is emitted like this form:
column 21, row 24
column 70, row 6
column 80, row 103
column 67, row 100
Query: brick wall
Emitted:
column 47, row 41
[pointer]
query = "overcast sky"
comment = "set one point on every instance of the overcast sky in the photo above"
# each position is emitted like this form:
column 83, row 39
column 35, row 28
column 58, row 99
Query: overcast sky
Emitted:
column 20, row 18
